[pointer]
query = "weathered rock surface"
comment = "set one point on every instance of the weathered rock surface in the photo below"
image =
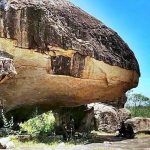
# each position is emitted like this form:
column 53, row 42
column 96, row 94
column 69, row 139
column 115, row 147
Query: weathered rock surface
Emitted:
column 107, row 118
column 63, row 56
column 7, row 69
column 6, row 143
column 139, row 124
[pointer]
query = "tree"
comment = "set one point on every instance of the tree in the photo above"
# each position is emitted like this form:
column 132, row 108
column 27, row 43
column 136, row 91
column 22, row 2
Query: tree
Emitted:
column 137, row 101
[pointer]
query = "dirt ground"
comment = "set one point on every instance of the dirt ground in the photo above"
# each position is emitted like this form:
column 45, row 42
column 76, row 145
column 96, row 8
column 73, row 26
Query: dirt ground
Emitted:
column 103, row 142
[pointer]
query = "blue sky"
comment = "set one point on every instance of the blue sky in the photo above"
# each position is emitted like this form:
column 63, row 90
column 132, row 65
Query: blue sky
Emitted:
column 131, row 19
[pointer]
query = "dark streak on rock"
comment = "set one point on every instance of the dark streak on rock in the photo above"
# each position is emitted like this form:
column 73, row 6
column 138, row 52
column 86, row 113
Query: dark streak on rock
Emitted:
column 11, row 23
column 60, row 23
column 78, row 65
column 35, row 28
column 60, row 65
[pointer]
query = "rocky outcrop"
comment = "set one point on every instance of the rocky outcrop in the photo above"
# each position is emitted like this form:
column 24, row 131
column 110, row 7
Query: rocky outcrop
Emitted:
column 139, row 124
column 7, row 69
column 107, row 118
column 96, row 116
column 63, row 56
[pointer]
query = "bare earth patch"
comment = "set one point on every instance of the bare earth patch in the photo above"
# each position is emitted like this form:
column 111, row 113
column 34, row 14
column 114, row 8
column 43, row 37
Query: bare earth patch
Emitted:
column 101, row 142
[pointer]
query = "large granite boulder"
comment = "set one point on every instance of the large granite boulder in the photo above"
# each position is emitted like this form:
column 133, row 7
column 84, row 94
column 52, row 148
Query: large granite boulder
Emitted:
column 139, row 124
column 106, row 117
column 63, row 56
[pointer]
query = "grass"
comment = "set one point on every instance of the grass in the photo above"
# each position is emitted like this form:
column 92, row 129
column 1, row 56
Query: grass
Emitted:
column 140, row 111
column 46, row 142
column 51, row 144
column 38, row 144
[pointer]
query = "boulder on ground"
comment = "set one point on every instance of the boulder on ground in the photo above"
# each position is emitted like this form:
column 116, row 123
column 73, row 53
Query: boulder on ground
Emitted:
column 108, row 118
column 124, row 114
column 139, row 124
column 6, row 143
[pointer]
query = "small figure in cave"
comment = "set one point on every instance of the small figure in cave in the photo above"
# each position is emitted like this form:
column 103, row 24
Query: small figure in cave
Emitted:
column 68, row 129
column 71, row 128
column 65, row 133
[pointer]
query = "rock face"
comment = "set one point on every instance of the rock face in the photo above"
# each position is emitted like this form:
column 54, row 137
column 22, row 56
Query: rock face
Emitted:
column 139, row 124
column 107, row 118
column 7, row 69
column 63, row 56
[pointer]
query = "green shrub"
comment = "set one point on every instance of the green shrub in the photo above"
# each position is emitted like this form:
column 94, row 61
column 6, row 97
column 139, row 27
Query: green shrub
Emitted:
column 42, row 124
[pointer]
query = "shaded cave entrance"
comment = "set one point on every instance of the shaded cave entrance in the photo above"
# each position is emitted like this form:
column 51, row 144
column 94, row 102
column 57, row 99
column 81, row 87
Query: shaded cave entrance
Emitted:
column 61, row 115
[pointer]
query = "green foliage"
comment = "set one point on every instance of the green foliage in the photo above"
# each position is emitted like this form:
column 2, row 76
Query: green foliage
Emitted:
column 138, row 104
column 140, row 111
column 7, row 123
column 135, row 99
column 41, row 124
column 139, row 99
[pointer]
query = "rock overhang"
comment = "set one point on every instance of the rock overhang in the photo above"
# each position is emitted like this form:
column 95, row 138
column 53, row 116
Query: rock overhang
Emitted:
column 62, row 43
